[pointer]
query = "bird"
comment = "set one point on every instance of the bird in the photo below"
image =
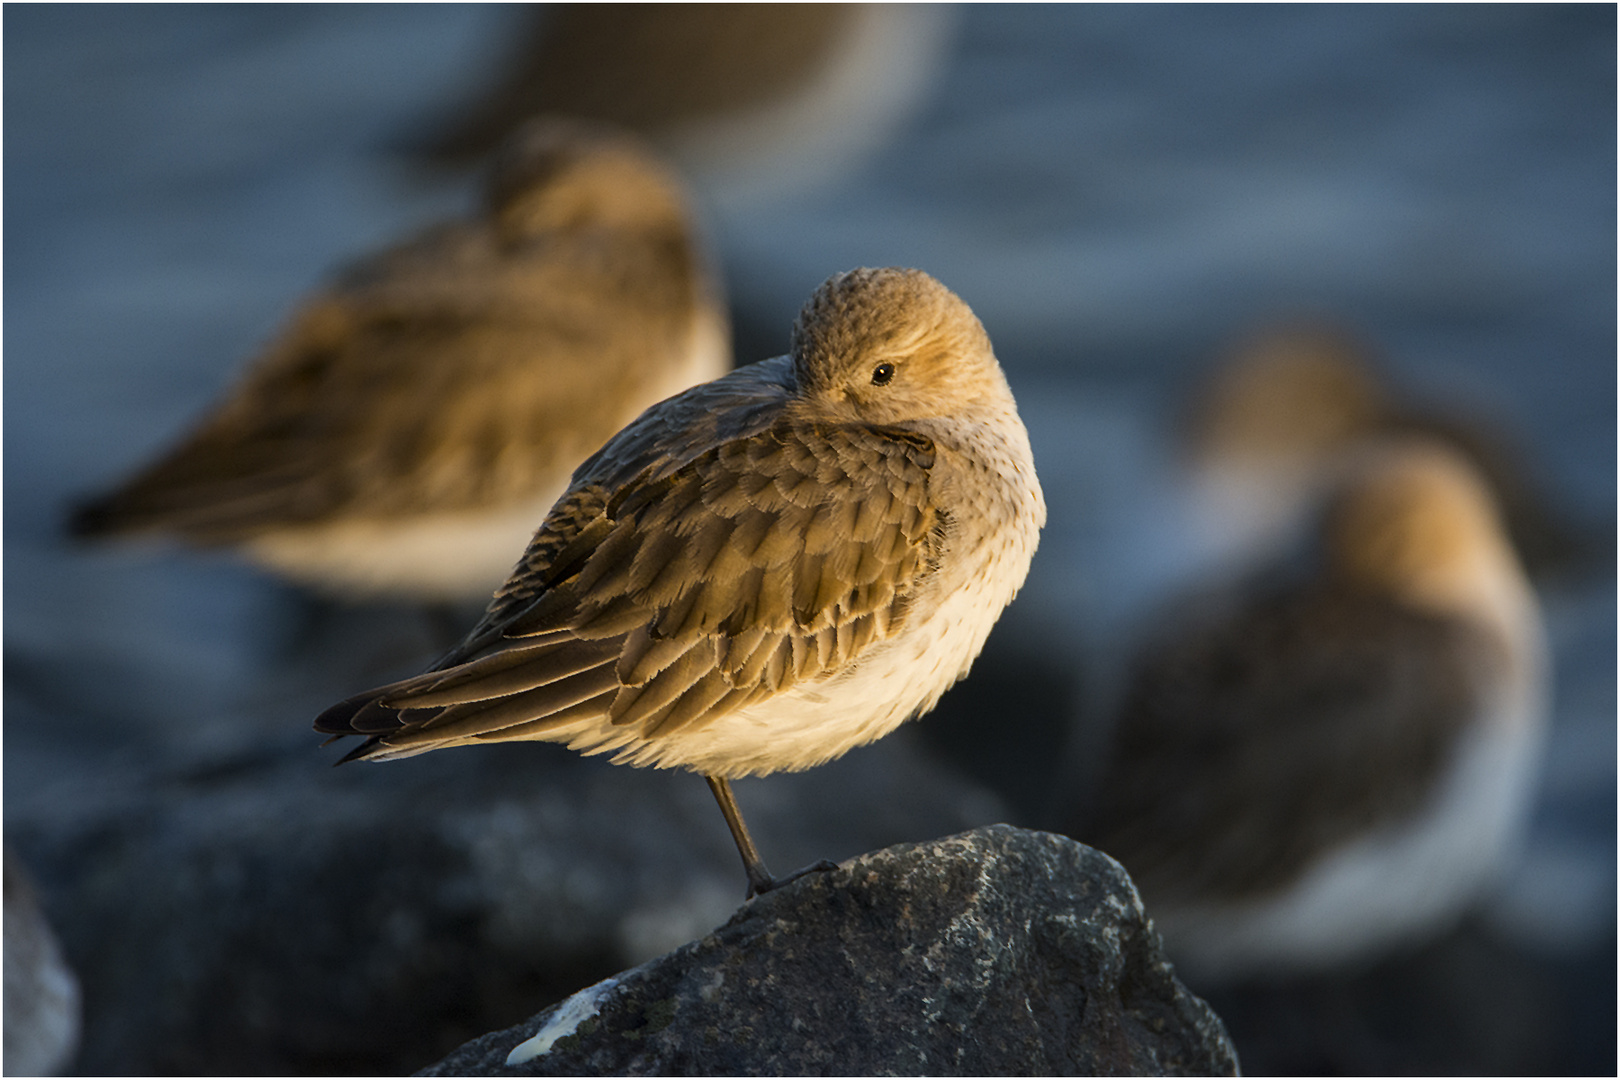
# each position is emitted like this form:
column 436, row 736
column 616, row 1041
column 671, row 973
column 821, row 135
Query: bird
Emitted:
column 763, row 572
column 1264, row 435
column 1264, row 432
column 1335, row 759
column 754, row 101
column 402, row 435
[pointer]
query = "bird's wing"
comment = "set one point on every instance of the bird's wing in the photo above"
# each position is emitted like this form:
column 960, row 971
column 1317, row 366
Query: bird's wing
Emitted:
column 1245, row 752
column 443, row 376
column 766, row 560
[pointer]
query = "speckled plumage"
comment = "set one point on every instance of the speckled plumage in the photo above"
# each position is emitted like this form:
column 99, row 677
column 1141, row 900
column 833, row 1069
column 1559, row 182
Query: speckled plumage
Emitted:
column 1338, row 764
column 407, row 430
column 765, row 571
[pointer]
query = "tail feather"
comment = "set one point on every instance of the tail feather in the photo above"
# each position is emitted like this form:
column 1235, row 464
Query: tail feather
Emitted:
column 429, row 711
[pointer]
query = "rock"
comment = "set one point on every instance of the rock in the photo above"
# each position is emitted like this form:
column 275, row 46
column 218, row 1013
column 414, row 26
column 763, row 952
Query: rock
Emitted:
column 995, row 952
column 41, row 994
column 264, row 913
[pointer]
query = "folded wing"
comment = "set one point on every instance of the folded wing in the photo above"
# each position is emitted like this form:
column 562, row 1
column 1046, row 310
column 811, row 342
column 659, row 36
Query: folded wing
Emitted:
column 685, row 593
column 1244, row 754
column 446, row 375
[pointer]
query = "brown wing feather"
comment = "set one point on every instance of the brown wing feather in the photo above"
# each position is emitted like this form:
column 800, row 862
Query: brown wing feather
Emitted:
column 448, row 374
column 707, row 578
column 1245, row 753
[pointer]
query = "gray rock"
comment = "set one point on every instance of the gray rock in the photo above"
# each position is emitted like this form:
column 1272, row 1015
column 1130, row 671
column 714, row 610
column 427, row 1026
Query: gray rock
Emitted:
column 265, row 913
column 41, row 994
column 994, row 952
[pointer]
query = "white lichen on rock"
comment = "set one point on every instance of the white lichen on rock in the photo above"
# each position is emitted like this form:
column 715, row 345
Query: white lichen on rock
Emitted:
column 569, row 1015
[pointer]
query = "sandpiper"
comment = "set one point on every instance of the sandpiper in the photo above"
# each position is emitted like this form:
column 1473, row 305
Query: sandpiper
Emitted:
column 751, row 100
column 1267, row 428
column 1343, row 760
column 417, row 418
column 1270, row 427
column 763, row 572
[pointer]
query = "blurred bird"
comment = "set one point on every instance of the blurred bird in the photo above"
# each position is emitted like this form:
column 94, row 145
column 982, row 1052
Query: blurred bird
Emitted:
column 747, row 98
column 404, row 434
column 763, row 572
column 1270, row 427
column 1337, row 764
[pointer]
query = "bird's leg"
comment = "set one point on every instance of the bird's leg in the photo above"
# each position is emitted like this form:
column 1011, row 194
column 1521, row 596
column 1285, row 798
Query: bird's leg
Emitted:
column 759, row 878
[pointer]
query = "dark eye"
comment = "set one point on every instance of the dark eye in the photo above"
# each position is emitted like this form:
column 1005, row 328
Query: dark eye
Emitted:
column 882, row 374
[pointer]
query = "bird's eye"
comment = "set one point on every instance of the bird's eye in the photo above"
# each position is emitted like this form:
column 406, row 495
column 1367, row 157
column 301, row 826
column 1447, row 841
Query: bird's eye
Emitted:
column 882, row 374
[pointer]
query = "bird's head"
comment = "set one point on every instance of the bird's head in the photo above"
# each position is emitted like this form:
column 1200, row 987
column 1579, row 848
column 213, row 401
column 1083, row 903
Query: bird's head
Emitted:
column 556, row 174
column 889, row 345
column 1413, row 519
column 1294, row 394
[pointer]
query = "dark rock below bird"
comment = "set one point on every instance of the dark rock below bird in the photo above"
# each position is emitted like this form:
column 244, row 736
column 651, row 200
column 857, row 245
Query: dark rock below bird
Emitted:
column 256, row 914
column 994, row 952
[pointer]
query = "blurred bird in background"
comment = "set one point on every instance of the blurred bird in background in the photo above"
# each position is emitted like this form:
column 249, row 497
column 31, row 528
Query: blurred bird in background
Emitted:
column 405, row 433
column 762, row 573
column 1338, row 758
column 1270, row 425
column 751, row 100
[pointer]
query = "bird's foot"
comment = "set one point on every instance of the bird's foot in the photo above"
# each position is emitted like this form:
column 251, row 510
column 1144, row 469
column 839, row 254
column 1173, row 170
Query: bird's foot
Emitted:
column 763, row 882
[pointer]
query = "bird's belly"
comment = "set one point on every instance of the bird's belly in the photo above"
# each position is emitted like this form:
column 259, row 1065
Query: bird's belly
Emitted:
column 454, row 555
column 438, row 556
column 1407, row 879
column 813, row 722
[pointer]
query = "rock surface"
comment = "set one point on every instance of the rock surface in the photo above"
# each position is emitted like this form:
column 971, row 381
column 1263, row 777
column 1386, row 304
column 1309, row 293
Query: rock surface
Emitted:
column 994, row 952
column 263, row 913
